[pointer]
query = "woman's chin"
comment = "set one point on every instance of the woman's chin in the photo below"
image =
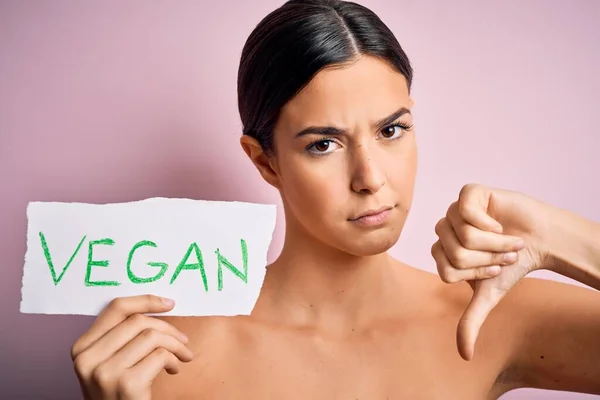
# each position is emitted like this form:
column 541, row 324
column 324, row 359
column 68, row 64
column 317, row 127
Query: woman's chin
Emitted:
column 373, row 243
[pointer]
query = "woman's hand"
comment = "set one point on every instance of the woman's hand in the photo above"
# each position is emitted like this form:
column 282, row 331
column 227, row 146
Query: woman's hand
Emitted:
column 490, row 238
column 124, row 350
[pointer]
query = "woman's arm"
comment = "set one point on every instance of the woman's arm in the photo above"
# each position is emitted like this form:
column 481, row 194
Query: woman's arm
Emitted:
column 556, row 325
column 560, row 323
column 573, row 247
column 558, row 331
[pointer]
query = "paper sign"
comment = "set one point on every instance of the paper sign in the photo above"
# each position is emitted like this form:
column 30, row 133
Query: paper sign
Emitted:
column 208, row 256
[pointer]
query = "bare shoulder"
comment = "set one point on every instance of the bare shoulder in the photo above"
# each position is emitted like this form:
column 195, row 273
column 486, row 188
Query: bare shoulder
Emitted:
column 495, row 346
column 434, row 295
column 214, row 341
column 447, row 302
column 531, row 297
column 203, row 330
column 537, row 329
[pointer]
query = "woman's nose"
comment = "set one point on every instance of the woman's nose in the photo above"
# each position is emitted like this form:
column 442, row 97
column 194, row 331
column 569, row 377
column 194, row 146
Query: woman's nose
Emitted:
column 367, row 175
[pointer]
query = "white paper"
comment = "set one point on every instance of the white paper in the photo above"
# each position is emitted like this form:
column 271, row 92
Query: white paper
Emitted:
column 173, row 226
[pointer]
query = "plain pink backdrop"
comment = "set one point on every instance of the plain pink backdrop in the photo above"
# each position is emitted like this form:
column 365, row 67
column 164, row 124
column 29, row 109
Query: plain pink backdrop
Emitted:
column 122, row 100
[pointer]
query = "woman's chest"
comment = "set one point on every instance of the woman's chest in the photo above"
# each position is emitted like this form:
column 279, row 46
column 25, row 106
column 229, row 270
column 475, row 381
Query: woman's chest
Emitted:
column 407, row 364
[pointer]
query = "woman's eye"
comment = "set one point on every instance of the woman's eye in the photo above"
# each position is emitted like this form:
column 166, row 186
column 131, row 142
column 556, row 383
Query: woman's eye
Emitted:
column 322, row 147
column 393, row 131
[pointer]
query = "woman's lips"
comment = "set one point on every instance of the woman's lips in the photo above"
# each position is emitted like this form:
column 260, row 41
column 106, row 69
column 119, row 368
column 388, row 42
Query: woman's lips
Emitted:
column 373, row 217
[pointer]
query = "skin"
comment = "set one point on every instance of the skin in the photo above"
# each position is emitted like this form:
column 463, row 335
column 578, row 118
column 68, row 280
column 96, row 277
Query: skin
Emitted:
column 337, row 317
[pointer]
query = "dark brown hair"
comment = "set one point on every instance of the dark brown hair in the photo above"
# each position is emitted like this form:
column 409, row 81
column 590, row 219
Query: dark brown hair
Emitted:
column 293, row 43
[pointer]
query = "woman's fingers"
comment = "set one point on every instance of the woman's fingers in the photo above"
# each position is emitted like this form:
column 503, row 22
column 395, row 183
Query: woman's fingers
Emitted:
column 117, row 311
column 106, row 347
column 134, row 383
column 474, row 238
column 449, row 274
column 151, row 365
column 144, row 344
column 468, row 247
column 124, row 350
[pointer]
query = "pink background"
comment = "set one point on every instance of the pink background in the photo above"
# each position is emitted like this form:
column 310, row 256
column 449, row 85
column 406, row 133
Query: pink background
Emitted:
column 122, row 100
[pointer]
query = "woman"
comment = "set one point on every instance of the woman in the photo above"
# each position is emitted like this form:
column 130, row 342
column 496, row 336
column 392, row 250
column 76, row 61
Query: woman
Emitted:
column 324, row 97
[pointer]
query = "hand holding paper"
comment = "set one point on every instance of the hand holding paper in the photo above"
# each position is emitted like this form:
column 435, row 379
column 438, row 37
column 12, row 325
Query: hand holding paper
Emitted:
column 122, row 353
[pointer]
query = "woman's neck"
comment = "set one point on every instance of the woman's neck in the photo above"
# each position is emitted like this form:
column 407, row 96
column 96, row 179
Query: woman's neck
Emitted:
column 312, row 285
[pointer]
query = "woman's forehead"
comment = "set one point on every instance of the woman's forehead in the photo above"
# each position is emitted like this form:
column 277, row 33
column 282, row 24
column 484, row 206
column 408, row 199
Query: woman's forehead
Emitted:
column 367, row 89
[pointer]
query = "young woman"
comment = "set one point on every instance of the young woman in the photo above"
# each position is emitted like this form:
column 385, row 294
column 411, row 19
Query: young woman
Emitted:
column 324, row 97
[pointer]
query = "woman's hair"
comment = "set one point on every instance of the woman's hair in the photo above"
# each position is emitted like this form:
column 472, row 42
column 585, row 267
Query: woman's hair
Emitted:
column 293, row 43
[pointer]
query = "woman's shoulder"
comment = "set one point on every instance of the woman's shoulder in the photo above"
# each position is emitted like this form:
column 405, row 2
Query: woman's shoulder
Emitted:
column 208, row 331
column 430, row 292
column 214, row 341
column 453, row 298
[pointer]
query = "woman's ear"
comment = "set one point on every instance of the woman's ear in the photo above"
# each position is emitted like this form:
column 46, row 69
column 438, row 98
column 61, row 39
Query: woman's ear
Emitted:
column 265, row 164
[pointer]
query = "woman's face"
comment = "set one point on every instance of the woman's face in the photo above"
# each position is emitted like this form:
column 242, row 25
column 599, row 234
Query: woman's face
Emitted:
column 345, row 147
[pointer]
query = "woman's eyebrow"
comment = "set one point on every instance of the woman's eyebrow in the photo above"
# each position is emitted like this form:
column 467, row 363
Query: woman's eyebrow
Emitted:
column 334, row 131
column 382, row 123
